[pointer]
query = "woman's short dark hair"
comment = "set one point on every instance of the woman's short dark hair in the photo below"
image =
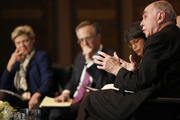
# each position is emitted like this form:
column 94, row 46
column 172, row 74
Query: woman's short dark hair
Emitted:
column 134, row 31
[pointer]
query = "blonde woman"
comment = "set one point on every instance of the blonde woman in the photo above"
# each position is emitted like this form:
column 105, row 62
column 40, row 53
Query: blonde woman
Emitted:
column 28, row 71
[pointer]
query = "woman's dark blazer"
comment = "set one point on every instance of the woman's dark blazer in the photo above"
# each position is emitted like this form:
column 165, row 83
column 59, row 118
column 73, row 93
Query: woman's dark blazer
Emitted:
column 39, row 75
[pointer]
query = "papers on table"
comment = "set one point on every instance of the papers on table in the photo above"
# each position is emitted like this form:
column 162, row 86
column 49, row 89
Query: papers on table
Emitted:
column 49, row 102
column 109, row 86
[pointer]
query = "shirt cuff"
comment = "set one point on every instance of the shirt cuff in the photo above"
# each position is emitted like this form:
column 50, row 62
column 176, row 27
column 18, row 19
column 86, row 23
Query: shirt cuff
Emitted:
column 89, row 64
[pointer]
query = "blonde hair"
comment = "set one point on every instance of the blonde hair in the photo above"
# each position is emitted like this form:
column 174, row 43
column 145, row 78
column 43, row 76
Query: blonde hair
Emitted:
column 24, row 29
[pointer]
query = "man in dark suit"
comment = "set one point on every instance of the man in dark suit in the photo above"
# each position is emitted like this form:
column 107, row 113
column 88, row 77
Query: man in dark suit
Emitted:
column 89, row 39
column 158, row 75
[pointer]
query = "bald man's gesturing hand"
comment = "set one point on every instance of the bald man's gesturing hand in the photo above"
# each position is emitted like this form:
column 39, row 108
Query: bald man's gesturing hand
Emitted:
column 108, row 63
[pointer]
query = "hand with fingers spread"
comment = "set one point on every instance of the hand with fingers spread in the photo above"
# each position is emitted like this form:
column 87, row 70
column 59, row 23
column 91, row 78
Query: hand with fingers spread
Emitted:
column 15, row 57
column 131, row 66
column 108, row 63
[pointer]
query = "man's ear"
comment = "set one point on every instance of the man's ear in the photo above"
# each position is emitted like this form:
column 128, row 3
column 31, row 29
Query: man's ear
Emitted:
column 161, row 17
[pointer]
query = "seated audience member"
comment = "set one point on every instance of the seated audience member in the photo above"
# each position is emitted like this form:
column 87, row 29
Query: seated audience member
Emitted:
column 157, row 76
column 28, row 71
column 85, row 72
column 135, row 38
column 178, row 21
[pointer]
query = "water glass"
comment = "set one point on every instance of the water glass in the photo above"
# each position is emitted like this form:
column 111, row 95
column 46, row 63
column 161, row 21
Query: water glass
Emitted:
column 26, row 114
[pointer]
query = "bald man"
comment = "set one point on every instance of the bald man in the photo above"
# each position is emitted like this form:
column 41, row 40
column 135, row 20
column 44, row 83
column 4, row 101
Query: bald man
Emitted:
column 158, row 75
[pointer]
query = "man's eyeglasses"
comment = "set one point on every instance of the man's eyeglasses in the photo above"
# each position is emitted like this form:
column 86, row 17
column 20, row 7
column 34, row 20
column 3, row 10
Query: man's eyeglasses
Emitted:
column 87, row 39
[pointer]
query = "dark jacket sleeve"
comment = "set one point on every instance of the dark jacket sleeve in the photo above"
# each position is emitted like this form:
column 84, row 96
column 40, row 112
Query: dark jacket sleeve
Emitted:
column 160, row 63
column 7, row 78
column 39, row 75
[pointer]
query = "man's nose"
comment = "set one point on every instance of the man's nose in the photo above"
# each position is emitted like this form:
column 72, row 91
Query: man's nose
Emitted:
column 22, row 44
column 134, row 46
column 141, row 23
column 84, row 42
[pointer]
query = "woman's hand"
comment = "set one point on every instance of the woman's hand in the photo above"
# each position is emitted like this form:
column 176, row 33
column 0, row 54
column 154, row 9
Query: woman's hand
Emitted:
column 131, row 66
column 16, row 56
column 34, row 100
